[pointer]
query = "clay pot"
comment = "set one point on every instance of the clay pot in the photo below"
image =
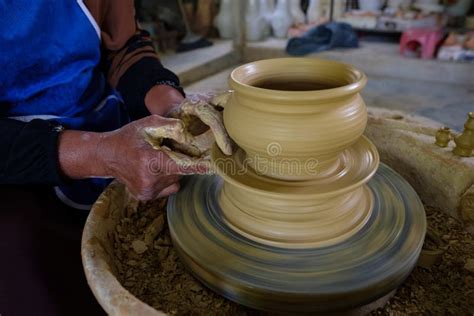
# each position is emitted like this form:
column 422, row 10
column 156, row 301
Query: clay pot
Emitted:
column 465, row 140
column 295, row 109
column 443, row 136
column 299, row 124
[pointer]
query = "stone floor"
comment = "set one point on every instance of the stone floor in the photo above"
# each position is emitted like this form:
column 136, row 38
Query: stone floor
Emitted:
column 198, row 64
column 375, row 58
column 442, row 91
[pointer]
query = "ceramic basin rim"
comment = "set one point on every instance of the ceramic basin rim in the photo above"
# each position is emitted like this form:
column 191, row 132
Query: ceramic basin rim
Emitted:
column 357, row 84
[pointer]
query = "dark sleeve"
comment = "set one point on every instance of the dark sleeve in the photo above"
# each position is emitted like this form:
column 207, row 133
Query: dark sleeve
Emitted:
column 29, row 152
column 141, row 73
column 128, row 56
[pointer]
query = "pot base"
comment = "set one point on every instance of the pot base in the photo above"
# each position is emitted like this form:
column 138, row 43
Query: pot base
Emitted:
column 354, row 272
column 325, row 210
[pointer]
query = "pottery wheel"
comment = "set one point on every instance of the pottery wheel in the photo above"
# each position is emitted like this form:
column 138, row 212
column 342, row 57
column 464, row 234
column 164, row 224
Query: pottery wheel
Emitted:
column 354, row 272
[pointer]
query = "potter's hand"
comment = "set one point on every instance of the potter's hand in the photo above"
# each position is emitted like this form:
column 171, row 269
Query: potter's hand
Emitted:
column 199, row 124
column 160, row 99
column 202, row 117
column 125, row 155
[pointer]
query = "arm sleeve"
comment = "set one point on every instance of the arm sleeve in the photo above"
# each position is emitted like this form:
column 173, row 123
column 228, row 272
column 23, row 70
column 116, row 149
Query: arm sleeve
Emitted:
column 129, row 59
column 29, row 152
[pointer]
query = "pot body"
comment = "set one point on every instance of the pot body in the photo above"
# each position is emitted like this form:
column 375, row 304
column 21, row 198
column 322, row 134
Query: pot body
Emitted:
column 290, row 111
column 443, row 136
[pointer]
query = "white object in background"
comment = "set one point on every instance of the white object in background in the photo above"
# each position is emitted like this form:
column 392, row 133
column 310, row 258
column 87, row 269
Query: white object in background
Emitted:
column 371, row 5
column 339, row 9
column 224, row 20
column 296, row 12
column 281, row 19
column 315, row 11
column 266, row 10
column 254, row 21
column 428, row 6
column 362, row 22
column 399, row 24
column 450, row 53
column 460, row 8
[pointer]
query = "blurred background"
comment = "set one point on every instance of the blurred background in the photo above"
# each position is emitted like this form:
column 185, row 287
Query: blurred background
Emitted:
column 418, row 54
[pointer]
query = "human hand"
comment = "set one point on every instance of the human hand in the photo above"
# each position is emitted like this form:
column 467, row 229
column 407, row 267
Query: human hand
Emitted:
column 160, row 99
column 125, row 155
column 202, row 117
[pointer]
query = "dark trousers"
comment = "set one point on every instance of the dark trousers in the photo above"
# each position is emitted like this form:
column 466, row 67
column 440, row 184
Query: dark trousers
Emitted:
column 40, row 263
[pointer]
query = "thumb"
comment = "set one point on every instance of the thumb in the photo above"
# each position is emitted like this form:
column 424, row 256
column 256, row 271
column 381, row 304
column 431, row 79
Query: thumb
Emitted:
column 159, row 127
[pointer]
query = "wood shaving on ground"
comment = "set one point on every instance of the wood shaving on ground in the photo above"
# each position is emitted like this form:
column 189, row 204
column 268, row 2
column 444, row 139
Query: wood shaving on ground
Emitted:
column 150, row 269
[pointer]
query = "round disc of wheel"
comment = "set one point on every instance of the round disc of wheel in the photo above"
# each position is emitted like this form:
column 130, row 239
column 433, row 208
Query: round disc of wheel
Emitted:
column 354, row 272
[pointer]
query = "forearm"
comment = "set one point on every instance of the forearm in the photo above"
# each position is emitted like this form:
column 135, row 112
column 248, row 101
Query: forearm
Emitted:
column 37, row 152
column 78, row 155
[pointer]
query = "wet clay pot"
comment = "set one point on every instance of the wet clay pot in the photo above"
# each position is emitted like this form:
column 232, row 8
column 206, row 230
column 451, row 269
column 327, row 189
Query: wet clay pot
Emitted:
column 298, row 178
column 289, row 112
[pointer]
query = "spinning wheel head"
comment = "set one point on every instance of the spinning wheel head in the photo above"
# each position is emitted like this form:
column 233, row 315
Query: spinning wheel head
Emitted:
column 359, row 270
column 337, row 237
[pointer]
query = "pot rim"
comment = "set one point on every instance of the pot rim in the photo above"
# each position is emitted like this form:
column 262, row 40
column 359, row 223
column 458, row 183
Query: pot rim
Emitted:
column 358, row 79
